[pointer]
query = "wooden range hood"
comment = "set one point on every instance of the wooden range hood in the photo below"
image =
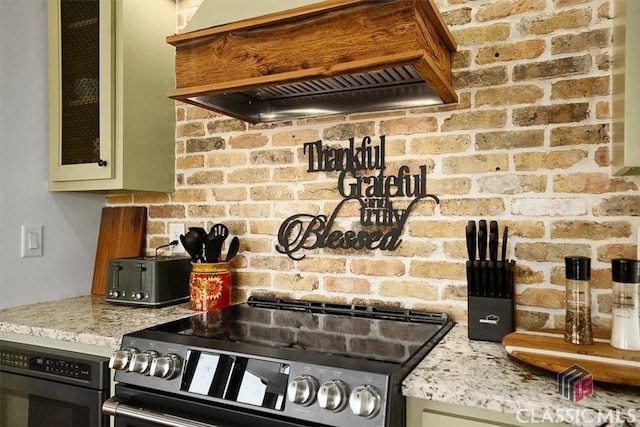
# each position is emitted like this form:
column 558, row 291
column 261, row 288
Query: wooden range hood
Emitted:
column 331, row 57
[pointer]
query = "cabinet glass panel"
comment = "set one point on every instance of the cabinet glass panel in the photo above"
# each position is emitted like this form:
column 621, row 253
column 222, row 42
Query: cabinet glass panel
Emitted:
column 80, row 105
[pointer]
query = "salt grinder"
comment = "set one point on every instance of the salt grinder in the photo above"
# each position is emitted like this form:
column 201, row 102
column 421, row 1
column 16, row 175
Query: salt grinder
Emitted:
column 578, row 328
column 625, row 332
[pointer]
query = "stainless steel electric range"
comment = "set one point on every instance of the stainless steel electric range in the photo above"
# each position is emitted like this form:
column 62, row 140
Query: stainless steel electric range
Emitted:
column 272, row 362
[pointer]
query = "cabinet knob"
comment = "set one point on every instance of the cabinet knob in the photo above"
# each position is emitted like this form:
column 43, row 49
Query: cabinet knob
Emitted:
column 102, row 163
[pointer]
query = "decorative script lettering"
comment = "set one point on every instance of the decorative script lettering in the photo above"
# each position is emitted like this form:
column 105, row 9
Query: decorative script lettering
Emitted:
column 362, row 180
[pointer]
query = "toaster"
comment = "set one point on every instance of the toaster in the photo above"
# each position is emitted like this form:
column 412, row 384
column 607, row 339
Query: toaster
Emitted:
column 148, row 281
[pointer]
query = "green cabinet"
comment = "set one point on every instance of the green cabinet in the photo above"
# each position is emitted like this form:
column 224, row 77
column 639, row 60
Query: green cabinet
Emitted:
column 111, row 126
column 426, row 413
column 625, row 156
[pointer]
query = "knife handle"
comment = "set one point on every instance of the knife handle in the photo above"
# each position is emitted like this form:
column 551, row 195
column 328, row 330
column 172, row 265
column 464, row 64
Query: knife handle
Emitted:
column 505, row 232
column 493, row 240
column 470, row 279
column 500, row 276
column 470, row 234
column 492, row 280
column 477, row 278
column 509, row 268
column 484, row 279
column 482, row 239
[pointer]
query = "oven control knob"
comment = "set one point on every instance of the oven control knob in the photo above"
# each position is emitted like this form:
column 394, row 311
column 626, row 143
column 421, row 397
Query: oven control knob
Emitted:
column 302, row 390
column 120, row 359
column 166, row 366
column 333, row 395
column 141, row 362
column 365, row 401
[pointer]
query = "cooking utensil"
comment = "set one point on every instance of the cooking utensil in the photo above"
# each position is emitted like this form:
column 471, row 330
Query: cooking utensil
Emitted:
column 233, row 248
column 218, row 230
column 201, row 232
column 193, row 243
column 215, row 240
column 213, row 248
column 187, row 248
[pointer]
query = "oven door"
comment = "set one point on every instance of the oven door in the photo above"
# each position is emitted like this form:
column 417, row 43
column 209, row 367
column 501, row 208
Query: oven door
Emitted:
column 34, row 402
column 139, row 408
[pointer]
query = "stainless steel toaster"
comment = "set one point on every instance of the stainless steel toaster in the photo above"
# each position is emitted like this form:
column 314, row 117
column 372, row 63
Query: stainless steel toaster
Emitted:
column 148, row 281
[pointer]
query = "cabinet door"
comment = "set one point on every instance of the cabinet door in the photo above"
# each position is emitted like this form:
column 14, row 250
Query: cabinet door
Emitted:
column 80, row 85
column 625, row 156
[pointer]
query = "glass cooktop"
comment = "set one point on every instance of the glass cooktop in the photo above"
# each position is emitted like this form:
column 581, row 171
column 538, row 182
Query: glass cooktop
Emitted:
column 382, row 334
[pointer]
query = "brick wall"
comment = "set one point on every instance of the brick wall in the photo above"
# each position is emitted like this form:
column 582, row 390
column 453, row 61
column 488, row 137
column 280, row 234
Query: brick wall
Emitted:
column 528, row 145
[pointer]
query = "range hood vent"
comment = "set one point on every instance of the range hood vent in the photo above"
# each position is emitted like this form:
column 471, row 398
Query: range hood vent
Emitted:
column 332, row 57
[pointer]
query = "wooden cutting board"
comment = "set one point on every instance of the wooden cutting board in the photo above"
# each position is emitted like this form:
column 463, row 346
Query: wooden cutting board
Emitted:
column 549, row 351
column 122, row 235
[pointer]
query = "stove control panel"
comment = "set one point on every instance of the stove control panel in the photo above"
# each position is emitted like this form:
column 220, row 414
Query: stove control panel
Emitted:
column 333, row 395
column 148, row 362
column 364, row 400
column 302, row 390
column 121, row 359
column 329, row 395
column 141, row 362
column 166, row 367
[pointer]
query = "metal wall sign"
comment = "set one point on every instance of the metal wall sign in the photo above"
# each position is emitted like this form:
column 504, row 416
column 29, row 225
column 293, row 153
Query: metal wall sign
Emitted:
column 361, row 180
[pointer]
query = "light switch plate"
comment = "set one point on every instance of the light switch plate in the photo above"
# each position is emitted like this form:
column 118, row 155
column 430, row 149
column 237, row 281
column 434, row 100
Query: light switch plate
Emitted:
column 31, row 241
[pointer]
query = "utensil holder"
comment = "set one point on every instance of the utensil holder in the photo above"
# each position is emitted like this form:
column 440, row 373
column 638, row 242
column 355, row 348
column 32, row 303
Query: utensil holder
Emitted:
column 491, row 308
column 209, row 286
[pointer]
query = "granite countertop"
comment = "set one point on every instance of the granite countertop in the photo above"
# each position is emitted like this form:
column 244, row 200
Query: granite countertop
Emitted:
column 481, row 374
column 460, row 371
column 86, row 320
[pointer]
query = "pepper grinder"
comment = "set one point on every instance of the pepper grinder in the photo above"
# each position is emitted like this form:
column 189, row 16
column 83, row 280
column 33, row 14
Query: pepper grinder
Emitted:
column 578, row 328
column 625, row 332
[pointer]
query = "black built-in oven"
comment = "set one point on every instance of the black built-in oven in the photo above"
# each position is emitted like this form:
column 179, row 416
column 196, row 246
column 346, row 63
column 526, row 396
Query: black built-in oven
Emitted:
column 44, row 387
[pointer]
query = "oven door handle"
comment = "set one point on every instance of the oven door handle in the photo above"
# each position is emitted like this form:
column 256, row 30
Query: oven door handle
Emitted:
column 115, row 407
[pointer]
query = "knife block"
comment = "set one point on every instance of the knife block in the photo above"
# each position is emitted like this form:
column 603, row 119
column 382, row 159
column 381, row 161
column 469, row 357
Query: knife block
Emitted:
column 490, row 318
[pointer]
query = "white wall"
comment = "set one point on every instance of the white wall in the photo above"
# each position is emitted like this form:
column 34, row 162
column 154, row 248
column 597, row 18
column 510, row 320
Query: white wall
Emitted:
column 71, row 221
